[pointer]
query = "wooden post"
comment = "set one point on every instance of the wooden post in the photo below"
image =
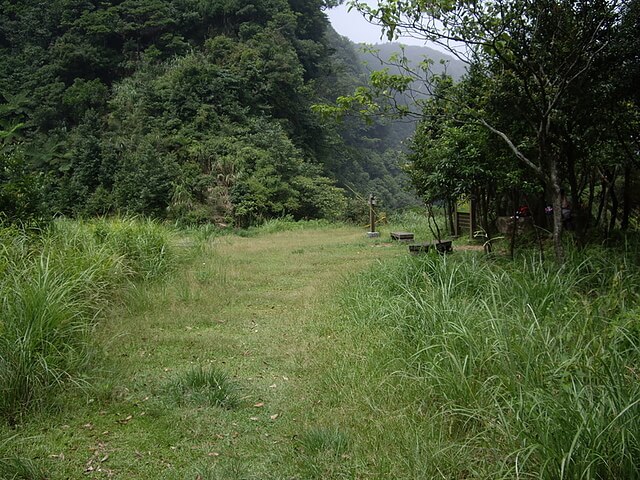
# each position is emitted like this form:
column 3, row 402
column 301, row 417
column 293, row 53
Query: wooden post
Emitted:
column 372, row 216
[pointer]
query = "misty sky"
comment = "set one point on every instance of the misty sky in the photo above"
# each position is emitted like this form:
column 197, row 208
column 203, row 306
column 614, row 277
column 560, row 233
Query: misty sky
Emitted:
column 353, row 26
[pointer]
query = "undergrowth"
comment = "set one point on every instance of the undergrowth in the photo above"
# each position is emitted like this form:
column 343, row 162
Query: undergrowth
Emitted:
column 513, row 369
column 53, row 287
column 285, row 224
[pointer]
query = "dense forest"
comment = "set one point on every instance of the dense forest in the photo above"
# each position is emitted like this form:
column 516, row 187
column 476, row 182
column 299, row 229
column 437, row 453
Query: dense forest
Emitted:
column 193, row 111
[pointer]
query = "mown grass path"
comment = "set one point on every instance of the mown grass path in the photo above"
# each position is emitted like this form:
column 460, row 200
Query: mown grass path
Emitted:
column 275, row 317
column 264, row 310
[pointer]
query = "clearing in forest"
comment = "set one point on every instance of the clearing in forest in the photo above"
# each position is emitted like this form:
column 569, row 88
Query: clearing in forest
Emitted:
column 260, row 311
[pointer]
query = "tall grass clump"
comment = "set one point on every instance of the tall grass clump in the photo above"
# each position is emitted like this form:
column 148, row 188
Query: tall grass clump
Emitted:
column 205, row 386
column 529, row 369
column 53, row 287
column 319, row 439
column 285, row 224
column 16, row 467
column 143, row 244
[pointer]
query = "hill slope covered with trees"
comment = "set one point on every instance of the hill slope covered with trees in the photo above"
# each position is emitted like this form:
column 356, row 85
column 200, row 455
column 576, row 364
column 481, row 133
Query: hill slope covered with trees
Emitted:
column 195, row 111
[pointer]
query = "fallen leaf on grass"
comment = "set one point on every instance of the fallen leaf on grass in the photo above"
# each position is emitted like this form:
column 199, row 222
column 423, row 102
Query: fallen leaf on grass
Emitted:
column 125, row 420
column 274, row 416
column 259, row 404
column 255, row 419
column 213, row 454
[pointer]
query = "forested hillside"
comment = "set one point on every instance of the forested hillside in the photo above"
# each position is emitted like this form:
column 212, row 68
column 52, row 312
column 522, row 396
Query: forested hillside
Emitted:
column 188, row 110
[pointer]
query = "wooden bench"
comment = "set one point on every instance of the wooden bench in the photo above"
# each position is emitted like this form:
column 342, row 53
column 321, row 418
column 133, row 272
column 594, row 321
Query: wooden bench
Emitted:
column 444, row 246
column 402, row 236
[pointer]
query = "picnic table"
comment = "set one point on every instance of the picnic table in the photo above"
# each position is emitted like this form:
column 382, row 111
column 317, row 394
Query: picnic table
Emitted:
column 443, row 246
column 402, row 236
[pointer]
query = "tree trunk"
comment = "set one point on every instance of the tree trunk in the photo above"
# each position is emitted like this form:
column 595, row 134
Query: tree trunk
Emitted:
column 592, row 193
column 576, row 208
column 614, row 208
column 626, row 198
column 557, row 211
column 431, row 218
column 449, row 209
column 603, row 200
column 548, row 158
column 514, row 226
column 631, row 159
column 485, row 210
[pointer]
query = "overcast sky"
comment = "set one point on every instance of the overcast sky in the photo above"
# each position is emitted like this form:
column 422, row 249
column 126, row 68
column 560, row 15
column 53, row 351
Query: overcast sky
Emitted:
column 353, row 26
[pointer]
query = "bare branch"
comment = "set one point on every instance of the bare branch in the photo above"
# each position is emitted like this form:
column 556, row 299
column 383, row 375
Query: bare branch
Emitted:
column 516, row 151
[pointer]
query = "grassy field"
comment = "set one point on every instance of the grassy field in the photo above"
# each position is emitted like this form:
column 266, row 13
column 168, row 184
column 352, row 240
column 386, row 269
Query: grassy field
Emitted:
column 307, row 351
column 249, row 317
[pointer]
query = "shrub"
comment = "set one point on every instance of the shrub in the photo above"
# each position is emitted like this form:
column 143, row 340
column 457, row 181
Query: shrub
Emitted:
column 53, row 287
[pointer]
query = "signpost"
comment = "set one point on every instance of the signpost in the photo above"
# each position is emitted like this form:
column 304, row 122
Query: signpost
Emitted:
column 372, row 217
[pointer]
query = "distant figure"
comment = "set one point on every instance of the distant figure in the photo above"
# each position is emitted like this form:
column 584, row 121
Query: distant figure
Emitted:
column 565, row 206
column 523, row 211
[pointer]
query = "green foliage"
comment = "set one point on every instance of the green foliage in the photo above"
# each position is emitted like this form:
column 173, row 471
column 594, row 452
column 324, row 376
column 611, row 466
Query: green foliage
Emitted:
column 53, row 288
column 144, row 181
column 207, row 387
column 20, row 190
column 525, row 362
column 524, row 88
column 199, row 112
column 18, row 468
